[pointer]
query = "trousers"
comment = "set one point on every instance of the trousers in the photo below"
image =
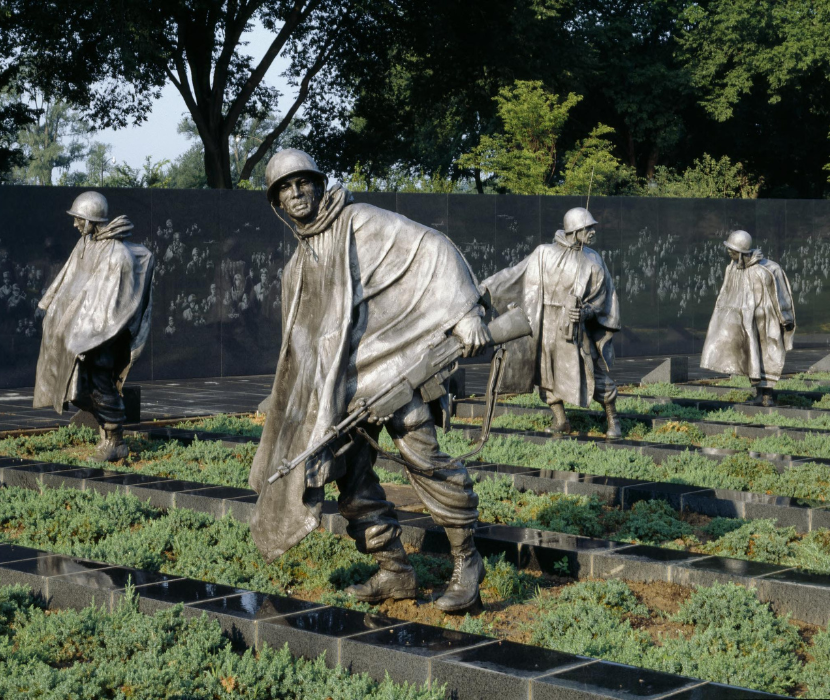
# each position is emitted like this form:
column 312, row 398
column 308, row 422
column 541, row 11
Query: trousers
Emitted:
column 442, row 483
column 98, row 389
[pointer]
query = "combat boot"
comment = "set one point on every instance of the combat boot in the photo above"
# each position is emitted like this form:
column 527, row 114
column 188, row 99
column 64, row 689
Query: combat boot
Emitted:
column 763, row 397
column 614, row 429
column 111, row 445
column 468, row 572
column 561, row 424
column 395, row 578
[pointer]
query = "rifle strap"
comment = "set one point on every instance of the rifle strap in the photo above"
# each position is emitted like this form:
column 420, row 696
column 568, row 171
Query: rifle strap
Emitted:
column 497, row 365
column 493, row 383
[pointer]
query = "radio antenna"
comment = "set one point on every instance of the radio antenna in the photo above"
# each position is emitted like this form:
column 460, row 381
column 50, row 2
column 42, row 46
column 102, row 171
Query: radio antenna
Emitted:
column 590, row 183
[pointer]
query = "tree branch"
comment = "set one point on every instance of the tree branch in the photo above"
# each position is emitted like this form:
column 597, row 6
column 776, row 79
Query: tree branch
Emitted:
column 268, row 141
column 291, row 23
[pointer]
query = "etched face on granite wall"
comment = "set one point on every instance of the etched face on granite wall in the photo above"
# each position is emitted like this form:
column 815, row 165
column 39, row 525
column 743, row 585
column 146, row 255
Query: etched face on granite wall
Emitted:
column 220, row 258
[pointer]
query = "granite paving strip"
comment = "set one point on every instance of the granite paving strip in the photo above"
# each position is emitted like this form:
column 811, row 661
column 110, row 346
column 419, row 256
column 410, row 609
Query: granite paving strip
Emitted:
column 542, row 550
column 471, row 665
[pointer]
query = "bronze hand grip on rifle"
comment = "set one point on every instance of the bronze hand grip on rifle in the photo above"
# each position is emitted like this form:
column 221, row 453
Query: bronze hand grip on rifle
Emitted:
column 436, row 363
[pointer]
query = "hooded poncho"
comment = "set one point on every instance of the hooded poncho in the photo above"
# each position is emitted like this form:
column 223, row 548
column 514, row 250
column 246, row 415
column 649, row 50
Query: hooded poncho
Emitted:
column 365, row 293
column 746, row 334
column 540, row 284
column 103, row 290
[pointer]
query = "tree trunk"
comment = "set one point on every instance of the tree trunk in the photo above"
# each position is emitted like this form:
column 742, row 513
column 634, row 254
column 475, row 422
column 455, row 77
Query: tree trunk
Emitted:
column 653, row 156
column 217, row 163
column 479, row 183
column 631, row 149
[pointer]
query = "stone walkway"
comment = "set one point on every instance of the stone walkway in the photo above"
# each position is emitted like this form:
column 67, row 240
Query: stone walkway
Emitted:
column 162, row 399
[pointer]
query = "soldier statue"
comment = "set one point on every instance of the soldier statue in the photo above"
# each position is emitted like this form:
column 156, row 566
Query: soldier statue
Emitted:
column 753, row 324
column 568, row 294
column 366, row 292
column 96, row 322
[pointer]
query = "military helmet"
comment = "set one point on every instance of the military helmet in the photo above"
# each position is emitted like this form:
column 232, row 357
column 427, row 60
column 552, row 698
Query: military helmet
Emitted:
column 91, row 206
column 288, row 162
column 576, row 219
column 739, row 241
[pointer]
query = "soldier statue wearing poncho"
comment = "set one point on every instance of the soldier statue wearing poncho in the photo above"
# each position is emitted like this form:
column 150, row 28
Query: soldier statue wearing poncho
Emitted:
column 97, row 320
column 364, row 295
column 568, row 294
column 753, row 324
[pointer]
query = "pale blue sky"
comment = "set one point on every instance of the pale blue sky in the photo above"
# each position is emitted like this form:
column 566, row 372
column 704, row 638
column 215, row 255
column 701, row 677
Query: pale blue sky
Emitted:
column 157, row 136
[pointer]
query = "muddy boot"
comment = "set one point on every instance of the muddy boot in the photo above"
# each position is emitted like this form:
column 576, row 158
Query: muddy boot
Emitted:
column 614, row 429
column 395, row 578
column 462, row 593
column 111, row 445
column 560, row 419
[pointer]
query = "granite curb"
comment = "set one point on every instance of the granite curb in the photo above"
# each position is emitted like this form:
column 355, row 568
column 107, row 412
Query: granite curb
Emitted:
column 802, row 593
column 471, row 666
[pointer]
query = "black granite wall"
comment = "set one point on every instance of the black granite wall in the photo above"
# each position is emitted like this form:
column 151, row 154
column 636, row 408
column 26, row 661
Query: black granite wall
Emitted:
column 220, row 255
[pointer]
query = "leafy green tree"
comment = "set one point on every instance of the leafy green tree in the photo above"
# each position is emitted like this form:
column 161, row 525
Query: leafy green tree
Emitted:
column 707, row 177
column 762, row 68
column 125, row 57
column 524, row 158
column 53, row 141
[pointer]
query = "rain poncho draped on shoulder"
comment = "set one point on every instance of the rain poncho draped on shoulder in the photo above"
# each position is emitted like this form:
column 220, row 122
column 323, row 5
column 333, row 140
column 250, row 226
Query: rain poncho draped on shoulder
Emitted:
column 103, row 290
column 540, row 284
column 747, row 334
column 364, row 294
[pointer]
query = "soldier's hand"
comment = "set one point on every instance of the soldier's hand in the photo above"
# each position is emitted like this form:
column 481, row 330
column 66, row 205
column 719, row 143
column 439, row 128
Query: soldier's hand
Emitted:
column 583, row 313
column 378, row 420
column 473, row 334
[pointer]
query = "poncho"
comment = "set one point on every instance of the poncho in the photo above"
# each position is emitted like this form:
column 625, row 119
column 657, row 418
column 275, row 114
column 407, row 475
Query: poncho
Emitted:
column 747, row 334
column 103, row 290
column 364, row 294
column 540, row 284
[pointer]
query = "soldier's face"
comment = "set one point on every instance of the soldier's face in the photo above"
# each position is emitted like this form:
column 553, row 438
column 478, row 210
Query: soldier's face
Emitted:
column 734, row 254
column 586, row 236
column 79, row 224
column 300, row 197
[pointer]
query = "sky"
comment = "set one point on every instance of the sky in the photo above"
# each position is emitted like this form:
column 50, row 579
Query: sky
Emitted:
column 157, row 136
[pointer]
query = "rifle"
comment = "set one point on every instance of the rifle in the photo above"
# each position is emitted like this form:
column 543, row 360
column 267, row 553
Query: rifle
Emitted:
column 427, row 374
column 573, row 329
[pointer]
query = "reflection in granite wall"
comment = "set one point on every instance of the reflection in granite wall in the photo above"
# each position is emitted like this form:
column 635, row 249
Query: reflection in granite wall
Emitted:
column 220, row 257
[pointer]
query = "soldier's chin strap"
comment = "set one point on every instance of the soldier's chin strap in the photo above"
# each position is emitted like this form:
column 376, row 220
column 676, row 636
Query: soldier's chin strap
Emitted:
column 497, row 365
column 302, row 241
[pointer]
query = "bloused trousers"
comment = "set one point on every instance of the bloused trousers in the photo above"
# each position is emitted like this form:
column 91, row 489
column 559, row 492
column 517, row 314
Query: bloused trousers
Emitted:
column 447, row 491
column 98, row 392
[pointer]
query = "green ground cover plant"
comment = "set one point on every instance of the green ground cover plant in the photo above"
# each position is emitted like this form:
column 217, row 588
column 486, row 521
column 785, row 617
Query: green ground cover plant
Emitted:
column 127, row 654
column 638, row 405
column 601, row 618
column 722, row 633
column 799, row 382
column 652, row 522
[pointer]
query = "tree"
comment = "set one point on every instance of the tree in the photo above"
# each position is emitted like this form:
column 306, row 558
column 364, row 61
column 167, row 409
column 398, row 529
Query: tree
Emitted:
column 53, row 140
column 197, row 46
column 762, row 69
column 524, row 158
column 707, row 177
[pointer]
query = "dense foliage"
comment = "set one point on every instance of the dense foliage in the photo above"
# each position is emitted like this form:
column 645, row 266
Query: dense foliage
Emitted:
column 127, row 654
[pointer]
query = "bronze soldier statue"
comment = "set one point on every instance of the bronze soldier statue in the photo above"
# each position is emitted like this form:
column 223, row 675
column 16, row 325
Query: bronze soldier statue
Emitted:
column 97, row 320
column 753, row 324
column 366, row 292
column 568, row 294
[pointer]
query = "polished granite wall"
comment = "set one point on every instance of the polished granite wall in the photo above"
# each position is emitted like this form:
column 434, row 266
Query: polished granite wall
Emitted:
column 220, row 255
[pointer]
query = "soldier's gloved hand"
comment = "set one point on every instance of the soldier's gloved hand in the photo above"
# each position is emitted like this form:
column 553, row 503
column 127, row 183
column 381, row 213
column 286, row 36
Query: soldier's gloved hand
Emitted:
column 378, row 420
column 583, row 313
column 473, row 333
